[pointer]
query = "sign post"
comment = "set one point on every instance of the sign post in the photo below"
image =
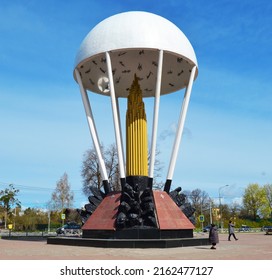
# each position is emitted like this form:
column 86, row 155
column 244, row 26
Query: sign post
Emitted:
column 10, row 228
column 63, row 218
column 201, row 218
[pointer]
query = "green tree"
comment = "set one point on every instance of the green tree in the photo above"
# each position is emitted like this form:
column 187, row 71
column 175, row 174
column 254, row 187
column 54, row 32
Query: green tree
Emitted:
column 31, row 219
column 8, row 200
column 268, row 195
column 253, row 200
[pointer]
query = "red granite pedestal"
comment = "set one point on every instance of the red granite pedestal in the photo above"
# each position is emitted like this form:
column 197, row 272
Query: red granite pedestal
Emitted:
column 172, row 223
column 174, row 228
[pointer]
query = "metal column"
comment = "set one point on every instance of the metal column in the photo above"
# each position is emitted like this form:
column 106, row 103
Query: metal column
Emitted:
column 93, row 132
column 179, row 131
column 116, row 122
column 155, row 120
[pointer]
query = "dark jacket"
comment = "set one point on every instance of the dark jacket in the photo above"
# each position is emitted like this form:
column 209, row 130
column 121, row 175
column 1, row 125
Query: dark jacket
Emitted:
column 213, row 235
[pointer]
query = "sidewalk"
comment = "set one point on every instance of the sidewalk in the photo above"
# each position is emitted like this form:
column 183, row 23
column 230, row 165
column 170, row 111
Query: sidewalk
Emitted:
column 250, row 246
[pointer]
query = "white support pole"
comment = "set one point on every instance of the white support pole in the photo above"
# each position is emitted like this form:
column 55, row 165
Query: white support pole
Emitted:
column 116, row 121
column 155, row 119
column 181, row 122
column 92, row 127
column 122, row 143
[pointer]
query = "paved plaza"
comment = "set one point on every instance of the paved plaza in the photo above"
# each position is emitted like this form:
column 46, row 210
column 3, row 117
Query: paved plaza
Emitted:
column 250, row 246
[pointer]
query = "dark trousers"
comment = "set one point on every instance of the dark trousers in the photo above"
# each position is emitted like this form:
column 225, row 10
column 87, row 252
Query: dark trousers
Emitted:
column 232, row 234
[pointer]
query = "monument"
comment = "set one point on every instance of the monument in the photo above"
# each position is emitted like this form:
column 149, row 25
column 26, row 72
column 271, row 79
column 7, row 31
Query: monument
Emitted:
column 136, row 55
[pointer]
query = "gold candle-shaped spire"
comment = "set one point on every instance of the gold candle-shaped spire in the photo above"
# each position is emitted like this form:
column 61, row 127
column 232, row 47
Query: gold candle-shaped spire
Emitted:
column 136, row 133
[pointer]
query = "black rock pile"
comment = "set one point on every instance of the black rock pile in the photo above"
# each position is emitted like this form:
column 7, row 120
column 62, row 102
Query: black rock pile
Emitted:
column 181, row 201
column 136, row 208
column 94, row 200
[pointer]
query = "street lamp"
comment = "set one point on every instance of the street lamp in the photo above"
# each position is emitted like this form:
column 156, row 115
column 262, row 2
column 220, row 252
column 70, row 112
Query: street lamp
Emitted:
column 211, row 220
column 220, row 206
column 48, row 221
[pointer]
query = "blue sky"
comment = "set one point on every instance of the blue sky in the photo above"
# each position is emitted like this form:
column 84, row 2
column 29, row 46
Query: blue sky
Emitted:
column 43, row 128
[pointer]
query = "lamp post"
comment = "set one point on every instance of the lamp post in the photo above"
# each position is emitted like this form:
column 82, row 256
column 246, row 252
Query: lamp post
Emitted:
column 211, row 220
column 49, row 214
column 220, row 206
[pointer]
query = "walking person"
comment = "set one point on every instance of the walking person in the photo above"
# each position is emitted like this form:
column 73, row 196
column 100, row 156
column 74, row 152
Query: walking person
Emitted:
column 213, row 236
column 231, row 231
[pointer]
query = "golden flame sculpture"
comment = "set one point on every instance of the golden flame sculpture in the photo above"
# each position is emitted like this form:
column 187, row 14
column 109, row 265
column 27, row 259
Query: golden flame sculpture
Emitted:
column 136, row 133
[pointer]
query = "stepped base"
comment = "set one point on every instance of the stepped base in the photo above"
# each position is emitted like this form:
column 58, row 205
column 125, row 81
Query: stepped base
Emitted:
column 129, row 243
column 138, row 233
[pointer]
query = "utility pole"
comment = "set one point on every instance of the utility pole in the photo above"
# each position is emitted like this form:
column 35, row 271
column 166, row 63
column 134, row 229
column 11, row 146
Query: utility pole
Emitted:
column 211, row 220
column 49, row 220
column 220, row 207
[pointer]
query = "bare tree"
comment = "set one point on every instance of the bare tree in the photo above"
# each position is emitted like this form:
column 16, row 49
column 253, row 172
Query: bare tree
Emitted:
column 200, row 200
column 268, row 194
column 92, row 176
column 62, row 197
column 113, row 167
column 91, row 173
column 158, row 167
column 235, row 208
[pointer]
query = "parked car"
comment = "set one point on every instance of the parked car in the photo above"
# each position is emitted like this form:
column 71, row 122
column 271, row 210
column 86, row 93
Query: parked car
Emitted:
column 264, row 228
column 207, row 228
column 70, row 227
column 268, row 230
column 244, row 228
